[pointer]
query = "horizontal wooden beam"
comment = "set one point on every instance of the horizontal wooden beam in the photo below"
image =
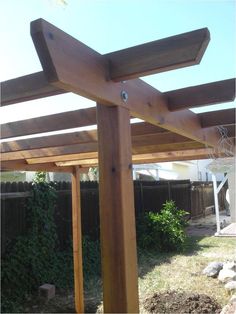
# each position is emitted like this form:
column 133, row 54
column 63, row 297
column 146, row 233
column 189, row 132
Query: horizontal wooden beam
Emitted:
column 67, row 166
column 80, row 151
column 159, row 56
column 221, row 117
column 28, row 87
column 52, row 151
column 49, row 141
column 83, row 142
column 201, row 95
column 66, row 62
column 90, row 137
column 54, row 122
column 22, row 165
column 148, row 158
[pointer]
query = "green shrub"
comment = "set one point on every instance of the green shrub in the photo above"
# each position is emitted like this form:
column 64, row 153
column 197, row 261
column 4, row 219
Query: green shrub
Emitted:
column 164, row 231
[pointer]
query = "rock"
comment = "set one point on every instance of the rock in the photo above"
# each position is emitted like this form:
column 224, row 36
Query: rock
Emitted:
column 226, row 275
column 212, row 269
column 231, row 285
column 229, row 309
column 233, row 298
column 230, row 265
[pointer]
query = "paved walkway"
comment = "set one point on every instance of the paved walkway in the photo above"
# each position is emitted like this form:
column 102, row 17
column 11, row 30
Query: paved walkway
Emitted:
column 229, row 231
column 206, row 226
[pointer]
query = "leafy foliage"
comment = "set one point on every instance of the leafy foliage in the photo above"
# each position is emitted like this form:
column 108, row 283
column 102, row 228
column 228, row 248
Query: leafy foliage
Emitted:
column 35, row 258
column 32, row 259
column 164, row 231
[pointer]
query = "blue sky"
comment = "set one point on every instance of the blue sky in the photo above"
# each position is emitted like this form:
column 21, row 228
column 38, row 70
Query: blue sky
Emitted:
column 109, row 25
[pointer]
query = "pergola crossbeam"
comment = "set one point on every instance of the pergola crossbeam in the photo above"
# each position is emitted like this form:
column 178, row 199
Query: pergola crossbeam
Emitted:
column 221, row 117
column 86, row 137
column 55, row 122
column 201, row 95
column 58, row 153
column 66, row 62
column 158, row 56
column 28, row 87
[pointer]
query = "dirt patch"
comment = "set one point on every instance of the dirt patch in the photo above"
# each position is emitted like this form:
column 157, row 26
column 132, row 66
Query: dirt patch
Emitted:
column 181, row 302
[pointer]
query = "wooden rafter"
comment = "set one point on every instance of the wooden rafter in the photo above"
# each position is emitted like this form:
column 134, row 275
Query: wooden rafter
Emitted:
column 55, row 122
column 156, row 136
column 28, row 87
column 70, row 66
column 66, row 61
column 152, row 145
column 163, row 55
column 217, row 118
column 22, row 165
column 91, row 159
column 201, row 95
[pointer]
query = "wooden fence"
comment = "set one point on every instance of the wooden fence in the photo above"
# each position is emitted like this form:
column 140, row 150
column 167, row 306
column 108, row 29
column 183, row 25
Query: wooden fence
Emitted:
column 149, row 196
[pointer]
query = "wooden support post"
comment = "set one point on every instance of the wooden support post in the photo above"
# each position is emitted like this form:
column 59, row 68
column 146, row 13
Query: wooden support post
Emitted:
column 77, row 242
column 117, row 217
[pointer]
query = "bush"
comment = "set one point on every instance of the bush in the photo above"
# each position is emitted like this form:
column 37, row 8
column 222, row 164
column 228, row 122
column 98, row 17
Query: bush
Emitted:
column 164, row 231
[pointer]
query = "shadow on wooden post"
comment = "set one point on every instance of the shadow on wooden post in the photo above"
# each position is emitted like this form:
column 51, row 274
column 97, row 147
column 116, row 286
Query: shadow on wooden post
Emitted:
column 117, row 217
column 77, row 242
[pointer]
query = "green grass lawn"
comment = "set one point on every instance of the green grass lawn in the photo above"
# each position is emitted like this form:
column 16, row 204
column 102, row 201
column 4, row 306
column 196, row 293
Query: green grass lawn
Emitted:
column 160, row 272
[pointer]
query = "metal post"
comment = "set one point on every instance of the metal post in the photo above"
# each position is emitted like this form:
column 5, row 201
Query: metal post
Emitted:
column 216, row 204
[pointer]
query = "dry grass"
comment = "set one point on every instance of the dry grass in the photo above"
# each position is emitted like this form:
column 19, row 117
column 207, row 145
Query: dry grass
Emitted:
column 160, row 272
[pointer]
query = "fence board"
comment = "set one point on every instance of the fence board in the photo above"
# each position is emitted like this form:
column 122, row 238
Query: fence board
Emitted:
column 149, row 196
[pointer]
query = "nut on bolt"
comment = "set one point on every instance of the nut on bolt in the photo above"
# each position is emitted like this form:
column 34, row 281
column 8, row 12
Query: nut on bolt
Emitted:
column 124, row 95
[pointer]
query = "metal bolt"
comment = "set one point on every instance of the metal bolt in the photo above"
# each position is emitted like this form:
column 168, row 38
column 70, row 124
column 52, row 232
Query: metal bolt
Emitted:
column 124, row 95
column 50, row 35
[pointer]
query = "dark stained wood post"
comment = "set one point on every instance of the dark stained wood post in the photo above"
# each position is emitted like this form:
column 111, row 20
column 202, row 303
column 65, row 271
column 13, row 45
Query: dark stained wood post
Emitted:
column 117, row 216
column 77, row 242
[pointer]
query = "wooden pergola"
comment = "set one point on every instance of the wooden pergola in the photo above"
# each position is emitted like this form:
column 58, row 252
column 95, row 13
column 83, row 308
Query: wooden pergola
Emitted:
column 170, row 132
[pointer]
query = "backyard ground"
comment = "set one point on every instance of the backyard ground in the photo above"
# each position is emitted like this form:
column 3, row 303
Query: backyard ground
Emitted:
column 164, row 277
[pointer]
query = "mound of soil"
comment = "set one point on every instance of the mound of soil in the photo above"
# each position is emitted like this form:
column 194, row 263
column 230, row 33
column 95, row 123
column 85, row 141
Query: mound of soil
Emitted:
column 181, row 302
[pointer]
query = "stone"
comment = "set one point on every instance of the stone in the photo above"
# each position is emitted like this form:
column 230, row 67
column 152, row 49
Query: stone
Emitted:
column 213, row 269
column 47, row 291
column 233, row 298
column 231, row 285
column 230, row 265
column 226, row 275
column 229, row 309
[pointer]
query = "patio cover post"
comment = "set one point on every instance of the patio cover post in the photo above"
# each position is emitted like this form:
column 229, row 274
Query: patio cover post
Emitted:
column 232, row 206
column 117, row 216
column 216, row 204
column 77, row 241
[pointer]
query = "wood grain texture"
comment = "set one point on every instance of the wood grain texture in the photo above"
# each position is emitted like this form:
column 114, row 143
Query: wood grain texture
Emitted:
column 220, row 117
column 159, row 56
column 117, row 219
column 77, row 241
column 50, row 141
column 22, row 165
column 91, row 159
column 201, row 95
column 89, row 137
column 191, row 154
column 53, row 151
column 66, row 62
column 60, row 153
column 54, row 122
column 28, row 87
